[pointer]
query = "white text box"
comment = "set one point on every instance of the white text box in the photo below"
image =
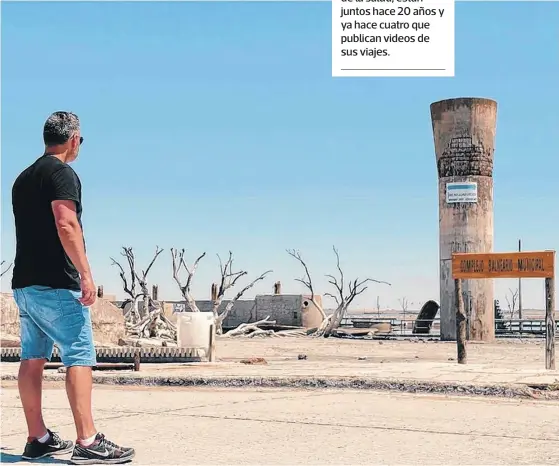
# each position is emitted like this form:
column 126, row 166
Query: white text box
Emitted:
column 392, row 38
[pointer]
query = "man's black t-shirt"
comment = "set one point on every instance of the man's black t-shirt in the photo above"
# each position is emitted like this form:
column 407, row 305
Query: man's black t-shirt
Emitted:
column 40, row 258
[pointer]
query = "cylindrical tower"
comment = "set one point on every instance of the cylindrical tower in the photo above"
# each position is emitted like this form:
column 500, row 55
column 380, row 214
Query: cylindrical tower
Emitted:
column 464, row 135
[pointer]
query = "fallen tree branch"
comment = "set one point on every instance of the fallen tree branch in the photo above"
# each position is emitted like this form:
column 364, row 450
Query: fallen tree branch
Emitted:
column 243, row 329
column 281, row 333
column 155, row 325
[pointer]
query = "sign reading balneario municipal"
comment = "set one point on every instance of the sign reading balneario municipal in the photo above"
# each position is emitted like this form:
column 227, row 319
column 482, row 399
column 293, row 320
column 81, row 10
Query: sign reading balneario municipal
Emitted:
column 461, row 192
column 529, row 264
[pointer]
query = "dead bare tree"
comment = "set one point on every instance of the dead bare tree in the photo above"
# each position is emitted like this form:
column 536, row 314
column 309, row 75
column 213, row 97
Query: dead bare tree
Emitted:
column 129, row 284
column 343, row 299
column 3, row 272
column 228, row 281
column 404, row 303
column 307, row 281
column 512, row 301
column 185, row 287
column 151, row 322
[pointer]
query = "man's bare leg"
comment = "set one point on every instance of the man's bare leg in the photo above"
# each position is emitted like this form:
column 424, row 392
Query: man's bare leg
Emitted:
column 30, row 384
column 36, row 349
column 77, row 348
column 79, row 384
column 91, row 447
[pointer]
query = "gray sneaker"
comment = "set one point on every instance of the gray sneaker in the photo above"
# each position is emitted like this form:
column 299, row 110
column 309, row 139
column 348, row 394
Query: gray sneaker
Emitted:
column 101, row 451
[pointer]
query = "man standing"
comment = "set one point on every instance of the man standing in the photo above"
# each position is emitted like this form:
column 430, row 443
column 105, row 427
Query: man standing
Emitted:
column 53, row 287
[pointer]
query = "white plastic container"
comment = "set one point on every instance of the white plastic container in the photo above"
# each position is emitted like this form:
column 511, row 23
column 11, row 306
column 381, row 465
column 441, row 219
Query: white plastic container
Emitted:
column 193, row 330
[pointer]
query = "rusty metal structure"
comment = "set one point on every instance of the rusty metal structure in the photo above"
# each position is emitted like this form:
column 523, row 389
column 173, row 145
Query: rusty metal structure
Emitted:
column 464, row 137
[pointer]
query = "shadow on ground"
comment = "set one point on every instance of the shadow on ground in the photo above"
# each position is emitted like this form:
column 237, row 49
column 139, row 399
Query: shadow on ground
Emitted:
column 11, row 458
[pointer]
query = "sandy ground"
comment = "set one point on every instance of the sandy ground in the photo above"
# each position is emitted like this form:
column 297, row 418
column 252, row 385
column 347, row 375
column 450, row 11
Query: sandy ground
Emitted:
column 503, row 362
column 505, row 353
column 247, row 426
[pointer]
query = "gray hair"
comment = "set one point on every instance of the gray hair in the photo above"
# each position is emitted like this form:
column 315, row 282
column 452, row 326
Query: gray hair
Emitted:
column 60, row 127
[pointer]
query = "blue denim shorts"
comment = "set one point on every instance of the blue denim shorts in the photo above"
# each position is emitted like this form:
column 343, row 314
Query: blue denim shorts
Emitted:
column 49, row 316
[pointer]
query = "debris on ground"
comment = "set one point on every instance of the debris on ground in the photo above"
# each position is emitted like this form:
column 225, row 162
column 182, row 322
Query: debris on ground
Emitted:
column 253, row 361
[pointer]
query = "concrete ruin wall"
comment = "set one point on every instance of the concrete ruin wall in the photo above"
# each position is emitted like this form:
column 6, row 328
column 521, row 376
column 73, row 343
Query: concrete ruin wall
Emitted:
column 284, row 309
column 464, row 136
column 243, row 311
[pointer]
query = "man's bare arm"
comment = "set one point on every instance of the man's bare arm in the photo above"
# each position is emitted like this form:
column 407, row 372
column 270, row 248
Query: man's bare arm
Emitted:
column 71, row 235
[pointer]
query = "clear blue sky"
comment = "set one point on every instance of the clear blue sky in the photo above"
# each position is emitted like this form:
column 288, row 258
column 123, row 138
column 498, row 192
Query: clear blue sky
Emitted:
column 217, row 126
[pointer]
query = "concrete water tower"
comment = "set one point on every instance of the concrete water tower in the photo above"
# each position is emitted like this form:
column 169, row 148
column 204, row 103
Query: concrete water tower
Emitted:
column 464, row 136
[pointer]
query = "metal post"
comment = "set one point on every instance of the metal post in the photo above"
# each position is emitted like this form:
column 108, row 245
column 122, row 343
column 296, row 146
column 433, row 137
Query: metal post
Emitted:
column 520, row 292
column 460, row 322
column 211, row 356
column 550, row 323
column 137, row 360
column 468, row 309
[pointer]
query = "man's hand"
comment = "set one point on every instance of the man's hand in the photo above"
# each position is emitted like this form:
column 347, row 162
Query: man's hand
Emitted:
column 89, row 291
